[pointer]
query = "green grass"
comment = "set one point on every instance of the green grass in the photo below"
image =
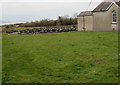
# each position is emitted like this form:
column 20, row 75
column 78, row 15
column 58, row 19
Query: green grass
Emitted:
column 0, row 58
column 73, row 57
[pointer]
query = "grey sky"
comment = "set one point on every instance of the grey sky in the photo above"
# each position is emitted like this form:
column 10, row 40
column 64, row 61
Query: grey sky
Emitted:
column 31, row 11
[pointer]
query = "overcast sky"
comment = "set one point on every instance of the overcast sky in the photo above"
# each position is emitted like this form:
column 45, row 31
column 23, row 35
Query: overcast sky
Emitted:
column 24, row 10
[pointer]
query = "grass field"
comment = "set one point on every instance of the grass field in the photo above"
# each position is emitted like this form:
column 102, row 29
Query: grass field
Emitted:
column 73, row 57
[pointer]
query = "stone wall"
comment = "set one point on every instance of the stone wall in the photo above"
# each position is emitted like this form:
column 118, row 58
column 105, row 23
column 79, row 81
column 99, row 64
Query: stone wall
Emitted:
column 48, row 29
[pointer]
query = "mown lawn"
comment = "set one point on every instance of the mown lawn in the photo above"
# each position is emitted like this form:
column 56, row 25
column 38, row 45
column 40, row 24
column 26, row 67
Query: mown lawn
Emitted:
column 73, row 57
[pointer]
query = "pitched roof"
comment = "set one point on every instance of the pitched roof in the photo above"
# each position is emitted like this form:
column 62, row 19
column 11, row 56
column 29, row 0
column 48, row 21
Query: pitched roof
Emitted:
column 118, row 3
column 86, row 13
column 102, row 7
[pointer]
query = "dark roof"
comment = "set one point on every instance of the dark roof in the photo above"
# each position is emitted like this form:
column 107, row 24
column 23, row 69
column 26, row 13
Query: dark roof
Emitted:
column 102, row 7
column 86, row 13
column 118, row 3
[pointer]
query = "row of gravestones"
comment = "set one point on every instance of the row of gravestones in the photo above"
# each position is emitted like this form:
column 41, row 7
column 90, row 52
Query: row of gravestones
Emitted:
column 45, row 30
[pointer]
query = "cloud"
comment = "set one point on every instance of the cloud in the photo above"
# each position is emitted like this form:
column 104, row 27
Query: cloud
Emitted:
column 28, row 11
column 49, row 0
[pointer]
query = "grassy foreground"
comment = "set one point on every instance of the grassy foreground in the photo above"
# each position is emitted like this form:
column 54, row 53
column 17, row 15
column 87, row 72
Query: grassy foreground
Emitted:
column 73, row 57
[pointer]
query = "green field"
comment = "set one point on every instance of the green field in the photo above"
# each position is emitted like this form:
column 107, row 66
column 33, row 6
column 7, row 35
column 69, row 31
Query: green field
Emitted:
column 73, row 57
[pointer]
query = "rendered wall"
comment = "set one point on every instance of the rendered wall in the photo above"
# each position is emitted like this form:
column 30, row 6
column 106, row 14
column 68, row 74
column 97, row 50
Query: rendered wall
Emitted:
column 80, row 23
column 103, row 20
column 86, row 22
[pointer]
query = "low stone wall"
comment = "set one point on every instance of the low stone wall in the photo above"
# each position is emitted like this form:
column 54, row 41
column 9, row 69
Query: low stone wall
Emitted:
column 48, row 29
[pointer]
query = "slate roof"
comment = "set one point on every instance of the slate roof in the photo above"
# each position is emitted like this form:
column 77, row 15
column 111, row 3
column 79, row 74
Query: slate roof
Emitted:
column 86, row 13
column 102, row 7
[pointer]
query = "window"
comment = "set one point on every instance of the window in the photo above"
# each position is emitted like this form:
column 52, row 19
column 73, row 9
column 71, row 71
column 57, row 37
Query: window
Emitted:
column 114, row 16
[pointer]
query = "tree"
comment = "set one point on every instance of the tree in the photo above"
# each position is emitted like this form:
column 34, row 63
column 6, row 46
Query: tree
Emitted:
column 75, row 15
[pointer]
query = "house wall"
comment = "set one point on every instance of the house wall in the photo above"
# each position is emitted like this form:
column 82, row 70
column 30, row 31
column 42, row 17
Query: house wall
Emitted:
column 80, row 23
column 86, row 22
column 103, row 20
column 89, row 23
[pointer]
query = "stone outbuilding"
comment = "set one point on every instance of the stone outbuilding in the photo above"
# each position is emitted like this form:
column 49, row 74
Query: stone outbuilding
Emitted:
column 105, row 17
